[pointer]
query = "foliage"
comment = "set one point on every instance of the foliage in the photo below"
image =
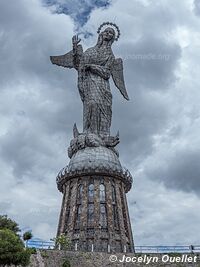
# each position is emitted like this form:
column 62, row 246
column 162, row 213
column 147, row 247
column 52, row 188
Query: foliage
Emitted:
column 7, row 223
column 44, row 254
column 27, row 236
column 66, row 263
column 32, row 250
column 62, row 241
column 12, row 249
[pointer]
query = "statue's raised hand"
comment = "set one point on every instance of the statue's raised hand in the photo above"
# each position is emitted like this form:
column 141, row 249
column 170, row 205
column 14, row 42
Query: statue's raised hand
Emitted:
column 75, row 40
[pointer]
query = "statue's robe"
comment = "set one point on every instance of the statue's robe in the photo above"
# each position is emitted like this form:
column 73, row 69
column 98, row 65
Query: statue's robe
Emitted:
column 93, row 84
column 94, row 87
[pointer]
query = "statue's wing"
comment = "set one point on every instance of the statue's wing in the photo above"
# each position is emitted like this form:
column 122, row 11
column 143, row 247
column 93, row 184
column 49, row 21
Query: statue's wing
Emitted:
column 66, row 60
column 118, row 77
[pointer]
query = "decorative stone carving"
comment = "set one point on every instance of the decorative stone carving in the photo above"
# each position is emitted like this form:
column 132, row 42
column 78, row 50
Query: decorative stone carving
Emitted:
column 83, row 140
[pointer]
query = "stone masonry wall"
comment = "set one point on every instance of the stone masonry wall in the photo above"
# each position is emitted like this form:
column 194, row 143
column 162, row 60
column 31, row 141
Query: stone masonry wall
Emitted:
column 55, row 258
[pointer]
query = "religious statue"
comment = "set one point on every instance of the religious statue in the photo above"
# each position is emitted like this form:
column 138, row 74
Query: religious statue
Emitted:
column 94, row 67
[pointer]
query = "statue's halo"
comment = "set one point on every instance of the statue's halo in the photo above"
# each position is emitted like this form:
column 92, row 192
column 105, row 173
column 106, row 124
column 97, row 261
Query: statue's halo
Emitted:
column 113, row 25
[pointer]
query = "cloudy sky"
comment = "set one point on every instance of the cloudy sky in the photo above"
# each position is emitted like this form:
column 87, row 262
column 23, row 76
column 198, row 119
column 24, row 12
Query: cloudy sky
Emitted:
column 159, row 127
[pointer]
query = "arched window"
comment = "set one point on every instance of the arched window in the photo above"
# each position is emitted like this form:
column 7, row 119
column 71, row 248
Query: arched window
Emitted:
column 114, row 205
column 113, row 194
column 91, row 192
column 115, row 217
column 102, row 192
column 80, row 192
column 79, row 201
column 78, row 215
column 69, row 204
column 124, row 211
column 103, row 216
column 90, row 214
column 68, row 216
column 70, row 190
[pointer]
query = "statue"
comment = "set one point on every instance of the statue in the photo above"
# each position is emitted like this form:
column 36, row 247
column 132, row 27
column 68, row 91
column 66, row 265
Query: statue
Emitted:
column 94, row 67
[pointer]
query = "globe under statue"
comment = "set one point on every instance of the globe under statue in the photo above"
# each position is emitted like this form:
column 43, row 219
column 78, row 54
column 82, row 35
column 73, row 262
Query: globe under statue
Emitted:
column 94, row 212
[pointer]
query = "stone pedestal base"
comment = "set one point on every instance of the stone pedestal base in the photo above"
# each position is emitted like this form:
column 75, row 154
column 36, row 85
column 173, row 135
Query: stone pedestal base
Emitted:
column 94, row 213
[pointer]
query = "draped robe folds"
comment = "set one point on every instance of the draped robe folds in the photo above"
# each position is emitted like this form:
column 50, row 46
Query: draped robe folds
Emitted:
column 94, row 67
column 94, row 88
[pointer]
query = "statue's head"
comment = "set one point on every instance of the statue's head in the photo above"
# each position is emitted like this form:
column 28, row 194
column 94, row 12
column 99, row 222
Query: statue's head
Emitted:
column 109, row 34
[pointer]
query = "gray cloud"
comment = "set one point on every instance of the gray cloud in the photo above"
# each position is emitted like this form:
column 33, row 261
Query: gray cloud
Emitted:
column 145, row 115
column 181, row 171
column 79, row 11
column 168, row 215
column 151, row 63
column 148, row 78
column 197, row 7
column 159, row 126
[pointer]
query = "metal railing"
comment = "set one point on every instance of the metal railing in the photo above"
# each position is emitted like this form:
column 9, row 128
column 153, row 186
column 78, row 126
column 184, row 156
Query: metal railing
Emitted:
column 167, row 249
column 138, row 249
column 41, row 244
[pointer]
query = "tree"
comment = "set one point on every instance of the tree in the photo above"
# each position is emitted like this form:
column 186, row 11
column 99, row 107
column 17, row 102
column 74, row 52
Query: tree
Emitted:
column 7, row 223
column 12, row 249
column 62, row 242
column 27, row 236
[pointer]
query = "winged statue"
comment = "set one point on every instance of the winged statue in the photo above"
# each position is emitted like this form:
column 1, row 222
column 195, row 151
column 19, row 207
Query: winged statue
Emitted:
column 95, row 66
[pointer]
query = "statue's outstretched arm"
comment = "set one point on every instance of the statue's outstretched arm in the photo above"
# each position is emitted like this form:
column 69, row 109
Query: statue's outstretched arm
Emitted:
column 70, row 59
column 77, row 51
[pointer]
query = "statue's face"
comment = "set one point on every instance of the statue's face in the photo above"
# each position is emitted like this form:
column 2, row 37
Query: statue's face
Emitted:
column 108, row 34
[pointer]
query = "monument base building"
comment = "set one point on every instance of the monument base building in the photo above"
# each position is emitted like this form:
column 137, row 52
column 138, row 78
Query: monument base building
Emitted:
column 94, row 213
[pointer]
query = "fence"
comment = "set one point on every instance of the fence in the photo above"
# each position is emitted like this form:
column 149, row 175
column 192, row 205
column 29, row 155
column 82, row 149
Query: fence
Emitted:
column 40, row 244
column 138, row 249
column 167, row 249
